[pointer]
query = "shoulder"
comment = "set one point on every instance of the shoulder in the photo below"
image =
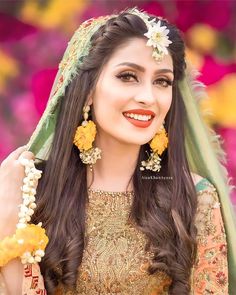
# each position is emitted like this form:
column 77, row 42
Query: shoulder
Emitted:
column 208, row 212
column 196, row 178
column 208, row 219
column 207, row 195
column 201, row 183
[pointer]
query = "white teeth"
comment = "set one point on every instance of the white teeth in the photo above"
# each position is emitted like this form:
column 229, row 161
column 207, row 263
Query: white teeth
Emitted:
column 139, row 117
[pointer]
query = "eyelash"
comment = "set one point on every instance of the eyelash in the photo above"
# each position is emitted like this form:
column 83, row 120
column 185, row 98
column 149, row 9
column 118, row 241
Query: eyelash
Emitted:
column 167, row 81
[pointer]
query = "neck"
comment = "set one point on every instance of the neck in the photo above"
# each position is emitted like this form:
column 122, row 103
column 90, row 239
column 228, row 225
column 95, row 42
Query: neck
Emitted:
column 114, row 170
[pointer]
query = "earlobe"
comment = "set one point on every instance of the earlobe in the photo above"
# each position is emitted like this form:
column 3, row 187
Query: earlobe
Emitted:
column 89, row 99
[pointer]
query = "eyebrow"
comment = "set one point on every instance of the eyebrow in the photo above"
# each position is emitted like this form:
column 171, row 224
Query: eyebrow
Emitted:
column 142, row 69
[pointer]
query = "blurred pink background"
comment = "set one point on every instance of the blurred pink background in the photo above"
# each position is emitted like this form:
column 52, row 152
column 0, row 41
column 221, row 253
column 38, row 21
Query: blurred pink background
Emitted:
column 34, row 35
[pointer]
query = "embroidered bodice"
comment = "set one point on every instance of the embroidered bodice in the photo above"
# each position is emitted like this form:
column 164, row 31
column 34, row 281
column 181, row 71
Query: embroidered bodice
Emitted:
column 115, row 262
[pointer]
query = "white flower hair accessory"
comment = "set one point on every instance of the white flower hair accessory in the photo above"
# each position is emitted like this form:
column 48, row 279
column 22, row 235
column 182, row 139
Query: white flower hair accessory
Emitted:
column 158, row 38
column 157, row 35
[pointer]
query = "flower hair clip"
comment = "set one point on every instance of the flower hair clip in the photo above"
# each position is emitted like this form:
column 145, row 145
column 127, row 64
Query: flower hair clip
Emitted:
column 157, row 35
column 158, row 38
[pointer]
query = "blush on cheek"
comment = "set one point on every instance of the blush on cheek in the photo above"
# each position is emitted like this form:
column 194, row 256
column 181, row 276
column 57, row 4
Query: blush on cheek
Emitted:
column 167, row 104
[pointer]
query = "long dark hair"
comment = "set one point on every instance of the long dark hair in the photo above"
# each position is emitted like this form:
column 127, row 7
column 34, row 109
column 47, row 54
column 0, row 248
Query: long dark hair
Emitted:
column 163, row 209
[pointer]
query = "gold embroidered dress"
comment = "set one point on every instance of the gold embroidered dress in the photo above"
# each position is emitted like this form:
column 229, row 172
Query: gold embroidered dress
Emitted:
column 114, row 260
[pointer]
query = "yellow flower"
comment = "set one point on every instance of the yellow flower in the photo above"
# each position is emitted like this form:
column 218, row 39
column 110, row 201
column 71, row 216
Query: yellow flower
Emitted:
column 219, row 107
column 34, row 235
column 55, row 14
column 8, row 69
column 85, row 136
column 202, row 37
column 27, row 239
column 159, row 142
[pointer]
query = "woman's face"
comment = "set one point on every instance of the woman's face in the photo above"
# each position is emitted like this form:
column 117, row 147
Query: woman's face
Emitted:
column 133, row 94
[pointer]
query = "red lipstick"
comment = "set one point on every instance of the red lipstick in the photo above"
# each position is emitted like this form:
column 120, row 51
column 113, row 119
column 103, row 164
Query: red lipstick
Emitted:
column 139, row 123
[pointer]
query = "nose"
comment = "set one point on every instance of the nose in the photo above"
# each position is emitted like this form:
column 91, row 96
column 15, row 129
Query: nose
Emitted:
column 145, row 94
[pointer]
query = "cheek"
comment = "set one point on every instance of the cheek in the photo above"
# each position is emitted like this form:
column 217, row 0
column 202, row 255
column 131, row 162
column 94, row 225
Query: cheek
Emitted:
column 165, row 102
column 108, row 104
column 110, row 98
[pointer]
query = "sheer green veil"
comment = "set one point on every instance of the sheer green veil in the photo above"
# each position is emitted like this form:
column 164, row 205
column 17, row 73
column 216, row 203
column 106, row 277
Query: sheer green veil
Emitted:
column 204, row 153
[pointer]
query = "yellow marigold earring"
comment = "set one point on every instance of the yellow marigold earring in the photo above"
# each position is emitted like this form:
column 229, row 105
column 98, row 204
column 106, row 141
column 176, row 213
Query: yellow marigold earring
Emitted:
column 84, row 138
column 158, row 144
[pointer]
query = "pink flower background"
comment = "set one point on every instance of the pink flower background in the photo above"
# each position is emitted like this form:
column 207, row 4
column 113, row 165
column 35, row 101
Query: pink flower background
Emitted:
column 34, row 35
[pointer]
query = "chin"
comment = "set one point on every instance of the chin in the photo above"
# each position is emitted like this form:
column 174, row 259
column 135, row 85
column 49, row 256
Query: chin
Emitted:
column 138, row 142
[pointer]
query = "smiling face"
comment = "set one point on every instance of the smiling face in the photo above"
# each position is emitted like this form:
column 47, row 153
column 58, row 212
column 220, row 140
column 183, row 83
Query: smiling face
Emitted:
column 133, row 94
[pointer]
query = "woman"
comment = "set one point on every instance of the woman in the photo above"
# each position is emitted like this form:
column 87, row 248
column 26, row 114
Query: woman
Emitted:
column 118, row 144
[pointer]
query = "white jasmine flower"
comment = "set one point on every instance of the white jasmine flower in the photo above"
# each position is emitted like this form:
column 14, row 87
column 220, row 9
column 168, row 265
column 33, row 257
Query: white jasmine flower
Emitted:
column 158, row 38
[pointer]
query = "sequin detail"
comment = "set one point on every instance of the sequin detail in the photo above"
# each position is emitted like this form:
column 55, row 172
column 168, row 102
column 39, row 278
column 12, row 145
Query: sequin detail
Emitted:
column 115, row 261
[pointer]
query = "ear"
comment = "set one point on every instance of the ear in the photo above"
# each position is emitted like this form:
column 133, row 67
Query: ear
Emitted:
column 89, row 100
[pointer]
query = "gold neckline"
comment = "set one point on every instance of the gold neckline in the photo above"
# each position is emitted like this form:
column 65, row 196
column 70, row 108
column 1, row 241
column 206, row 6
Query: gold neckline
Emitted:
column 112, row 193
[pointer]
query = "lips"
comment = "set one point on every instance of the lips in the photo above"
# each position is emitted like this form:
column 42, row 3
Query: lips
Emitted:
column 141, row 112
column 139, row 118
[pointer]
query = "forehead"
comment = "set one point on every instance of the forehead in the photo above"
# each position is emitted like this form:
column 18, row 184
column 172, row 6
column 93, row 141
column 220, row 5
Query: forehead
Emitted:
column 136, row 51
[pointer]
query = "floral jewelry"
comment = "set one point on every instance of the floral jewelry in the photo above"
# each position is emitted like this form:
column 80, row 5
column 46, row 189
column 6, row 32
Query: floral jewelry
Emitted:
column 84, row 137
column 28, row 243
column 30, row 240
column 157, row 35
column 158, row 144
column 158, row 38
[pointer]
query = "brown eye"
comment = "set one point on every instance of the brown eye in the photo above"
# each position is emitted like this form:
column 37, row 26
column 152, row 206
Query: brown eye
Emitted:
column 164, row 82
column 127, row 77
